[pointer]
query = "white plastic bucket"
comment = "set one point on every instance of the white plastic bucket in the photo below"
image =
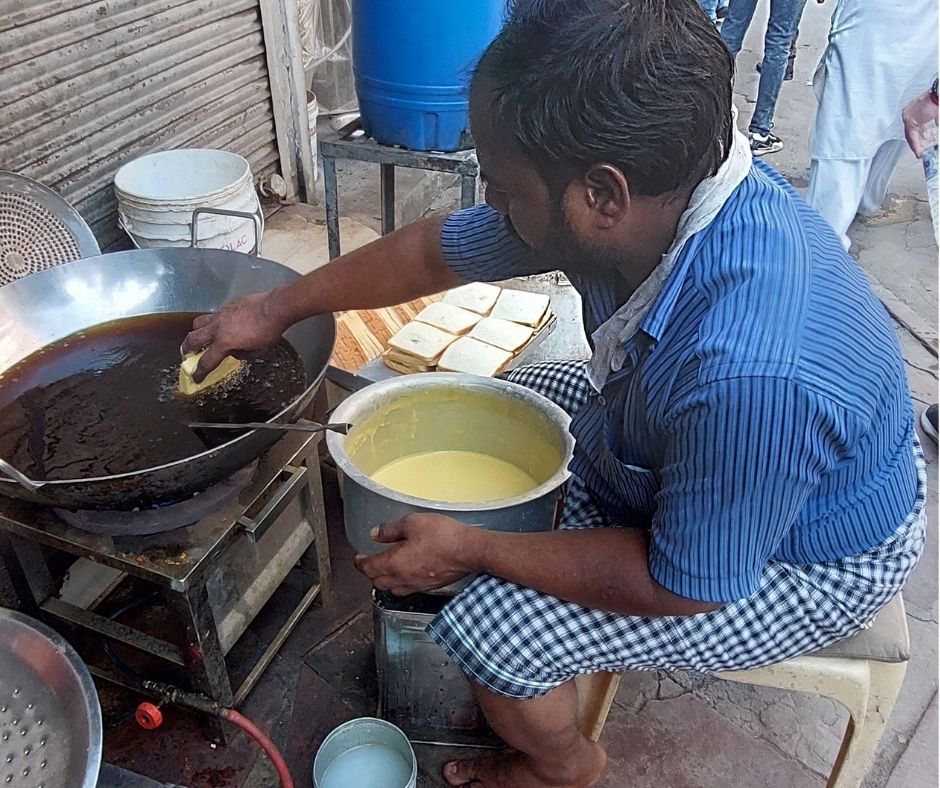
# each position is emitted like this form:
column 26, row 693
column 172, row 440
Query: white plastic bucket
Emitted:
column 158, row 193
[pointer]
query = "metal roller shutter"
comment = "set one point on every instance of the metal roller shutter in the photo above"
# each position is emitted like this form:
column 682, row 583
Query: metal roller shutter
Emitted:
column 86, row 86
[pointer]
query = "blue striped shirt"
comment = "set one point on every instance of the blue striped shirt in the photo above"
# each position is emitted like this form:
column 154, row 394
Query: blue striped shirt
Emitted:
column 763, row 413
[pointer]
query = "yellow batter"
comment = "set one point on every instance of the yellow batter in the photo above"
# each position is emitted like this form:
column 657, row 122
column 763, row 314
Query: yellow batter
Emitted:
column 455, row 477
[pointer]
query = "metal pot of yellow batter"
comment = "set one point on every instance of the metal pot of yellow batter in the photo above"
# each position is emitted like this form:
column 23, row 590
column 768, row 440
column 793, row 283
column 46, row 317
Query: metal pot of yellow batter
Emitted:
column 484, row 451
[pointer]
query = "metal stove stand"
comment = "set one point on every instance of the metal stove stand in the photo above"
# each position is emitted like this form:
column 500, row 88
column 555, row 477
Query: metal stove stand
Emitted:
column 462, row 163
column 285, row 493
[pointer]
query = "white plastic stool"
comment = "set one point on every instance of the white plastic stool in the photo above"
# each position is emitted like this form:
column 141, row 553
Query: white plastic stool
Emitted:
column 864, row 673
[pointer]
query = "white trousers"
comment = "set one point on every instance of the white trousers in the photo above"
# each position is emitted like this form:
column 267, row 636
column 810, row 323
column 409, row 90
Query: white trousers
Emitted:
column 841, row 188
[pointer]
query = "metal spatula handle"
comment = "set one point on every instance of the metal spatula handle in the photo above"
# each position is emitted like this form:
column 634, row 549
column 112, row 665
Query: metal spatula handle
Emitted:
column 21, row 479
column 299, row 426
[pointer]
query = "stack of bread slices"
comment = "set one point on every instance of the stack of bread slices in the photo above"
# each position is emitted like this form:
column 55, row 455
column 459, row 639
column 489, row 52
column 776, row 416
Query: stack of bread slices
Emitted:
column 477, row 329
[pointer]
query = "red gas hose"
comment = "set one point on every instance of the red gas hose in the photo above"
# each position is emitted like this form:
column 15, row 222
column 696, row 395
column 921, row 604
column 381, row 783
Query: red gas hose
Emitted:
column 192, row 700
column 266, row 744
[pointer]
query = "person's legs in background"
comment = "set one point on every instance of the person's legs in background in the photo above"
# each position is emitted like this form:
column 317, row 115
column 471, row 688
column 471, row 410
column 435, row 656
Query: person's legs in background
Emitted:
column 835, row 190
column 841, row 188
column 791, row 60
column 738, row 20
column 781, row 29
column 710, row 7
column 883, row 166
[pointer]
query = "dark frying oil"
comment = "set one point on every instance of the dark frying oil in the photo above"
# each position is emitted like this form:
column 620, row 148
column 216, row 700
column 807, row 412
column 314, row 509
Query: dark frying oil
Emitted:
column 105, row 400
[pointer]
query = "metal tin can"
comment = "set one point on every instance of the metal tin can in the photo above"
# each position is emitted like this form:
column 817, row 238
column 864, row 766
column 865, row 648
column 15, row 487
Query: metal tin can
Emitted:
column 420, row 689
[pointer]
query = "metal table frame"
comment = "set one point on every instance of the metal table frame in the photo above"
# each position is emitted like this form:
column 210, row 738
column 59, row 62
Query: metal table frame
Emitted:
column 462, row 163
column 177, row 563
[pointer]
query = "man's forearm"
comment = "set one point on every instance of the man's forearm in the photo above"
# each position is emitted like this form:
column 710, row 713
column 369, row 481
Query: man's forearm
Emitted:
column 604, row 568
column 399, row 267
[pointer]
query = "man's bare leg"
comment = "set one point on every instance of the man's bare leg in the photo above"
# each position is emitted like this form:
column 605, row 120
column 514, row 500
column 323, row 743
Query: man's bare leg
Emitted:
column 551, row 752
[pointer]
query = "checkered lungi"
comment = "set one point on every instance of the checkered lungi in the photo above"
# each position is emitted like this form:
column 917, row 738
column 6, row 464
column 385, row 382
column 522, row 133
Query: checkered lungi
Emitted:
column 522, row 643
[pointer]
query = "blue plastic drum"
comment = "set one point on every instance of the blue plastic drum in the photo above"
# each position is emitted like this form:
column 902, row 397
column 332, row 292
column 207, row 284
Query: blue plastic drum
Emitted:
column 413, row 61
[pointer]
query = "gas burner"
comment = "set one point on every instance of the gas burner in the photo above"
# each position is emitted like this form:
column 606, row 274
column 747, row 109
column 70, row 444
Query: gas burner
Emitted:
column 216, row 574
column 156, row 520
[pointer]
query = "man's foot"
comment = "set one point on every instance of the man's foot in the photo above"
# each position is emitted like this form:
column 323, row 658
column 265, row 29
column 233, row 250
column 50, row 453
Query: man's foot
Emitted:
column 787, row 75
column 762, row 144
column 928, row 420
column 515, row 770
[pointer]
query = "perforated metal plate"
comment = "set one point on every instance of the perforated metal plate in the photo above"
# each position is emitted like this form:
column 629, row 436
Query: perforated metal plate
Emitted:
column 50, row 720
column 38, row 229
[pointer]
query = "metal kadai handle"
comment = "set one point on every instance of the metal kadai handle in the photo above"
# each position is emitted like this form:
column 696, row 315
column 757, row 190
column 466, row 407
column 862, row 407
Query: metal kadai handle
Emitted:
column 256, row 527
column 255, row 223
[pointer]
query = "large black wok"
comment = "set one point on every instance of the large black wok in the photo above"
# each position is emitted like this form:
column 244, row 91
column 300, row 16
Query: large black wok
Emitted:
column 49, row 305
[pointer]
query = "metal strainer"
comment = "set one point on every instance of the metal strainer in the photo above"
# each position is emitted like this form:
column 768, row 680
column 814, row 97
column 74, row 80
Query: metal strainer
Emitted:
column 38, row 229
column 50, row 720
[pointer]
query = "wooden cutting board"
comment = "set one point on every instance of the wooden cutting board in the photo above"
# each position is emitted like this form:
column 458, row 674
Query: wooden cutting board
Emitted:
column 363, row 335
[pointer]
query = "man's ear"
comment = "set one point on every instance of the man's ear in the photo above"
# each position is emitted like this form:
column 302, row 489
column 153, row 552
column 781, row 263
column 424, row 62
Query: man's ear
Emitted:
column 606, row 195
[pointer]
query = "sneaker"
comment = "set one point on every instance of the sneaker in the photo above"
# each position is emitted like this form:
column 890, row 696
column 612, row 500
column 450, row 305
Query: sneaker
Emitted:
column 762, row 144
column 721, row 12
column 928, row 420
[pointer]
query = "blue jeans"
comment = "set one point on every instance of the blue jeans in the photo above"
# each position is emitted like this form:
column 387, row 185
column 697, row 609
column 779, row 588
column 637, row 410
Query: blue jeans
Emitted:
column 710, row 7
column 781, row 28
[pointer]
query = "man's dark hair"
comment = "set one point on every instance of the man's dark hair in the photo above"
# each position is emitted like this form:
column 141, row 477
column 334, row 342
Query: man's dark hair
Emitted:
column 644, row 85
